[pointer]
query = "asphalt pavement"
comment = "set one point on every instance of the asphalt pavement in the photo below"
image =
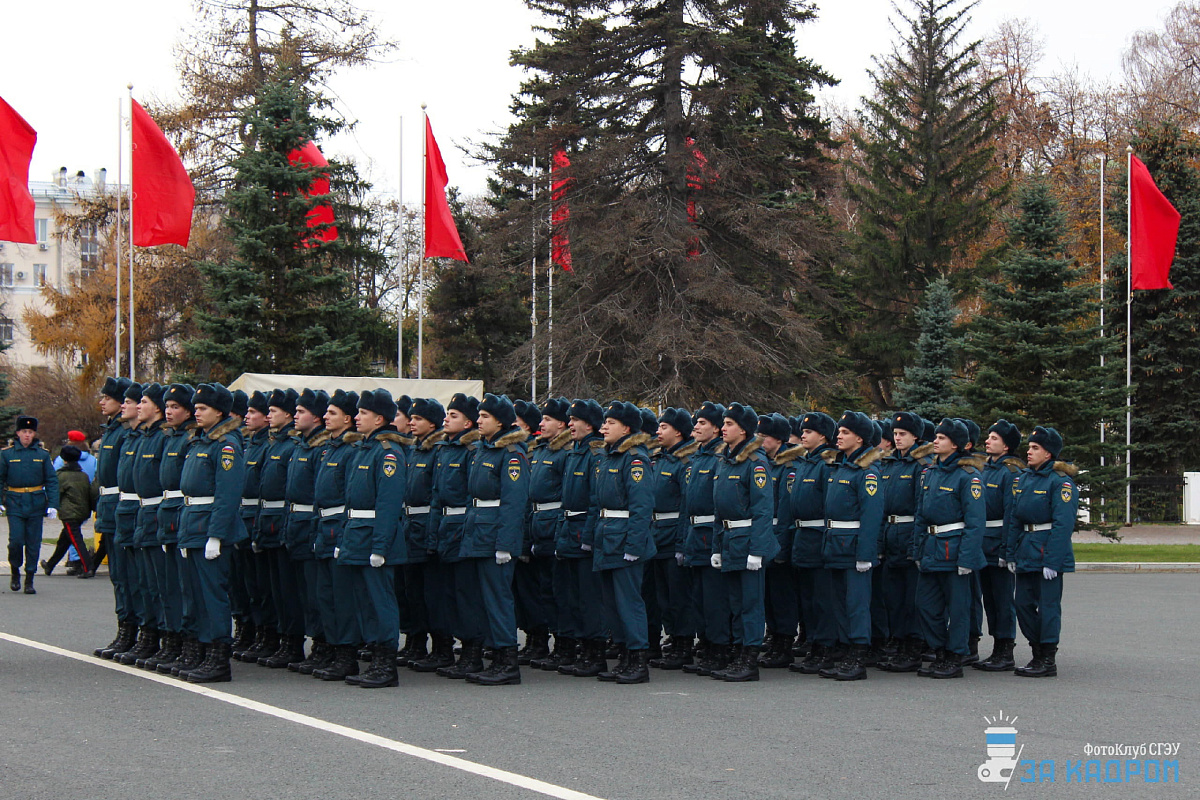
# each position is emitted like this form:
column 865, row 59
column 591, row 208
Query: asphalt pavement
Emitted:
column 74, row 728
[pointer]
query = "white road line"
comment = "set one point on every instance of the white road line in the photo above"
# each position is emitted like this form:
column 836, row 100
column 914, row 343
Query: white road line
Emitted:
column 512, row 778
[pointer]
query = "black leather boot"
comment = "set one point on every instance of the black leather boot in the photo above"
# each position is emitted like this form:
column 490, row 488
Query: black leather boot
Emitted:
column 118, row 643
column 950, row 666
column 344, row 664
column 206, row 654
column 926, row 670
column 1035, row 663
column 291, row 650
column 638, row 669
column 442, row 655
column 873, row 654
column 135, row 636
column 834, row 656
column 1001, row 659
column 1044, row 664
column 244, row 636
column 698, row 655
column 779, row 657
column 608, row 676
column 853, row 667
column 679, row 656
column 972, row 656
column 382, row 672
column 746, row 667
column 907, row 658
column 565, row 652
column 147, row 645
column 505, row 669
column 218, row 670
column 185, row 645
column 192, row 656
column 537, row 645
column 470, row 660
column 169, row 644
column 416, row 647
column 590, row 663
column 29, row 584
column 811, row 664
column 319, row 657
column 267, row 646
column 718, row 658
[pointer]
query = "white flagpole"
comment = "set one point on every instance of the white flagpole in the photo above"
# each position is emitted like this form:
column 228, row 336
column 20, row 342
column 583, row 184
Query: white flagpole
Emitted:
column 132, row 362
column 1128, row 332
column 533, row 322
column 1103, row 162
column 421, row 272
column 403, row 260
column 117, row 273
column 550, row 300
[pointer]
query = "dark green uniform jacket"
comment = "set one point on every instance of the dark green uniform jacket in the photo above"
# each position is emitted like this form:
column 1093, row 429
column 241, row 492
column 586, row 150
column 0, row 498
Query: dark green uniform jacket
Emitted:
column 546, row 463
column 670, row 525
column 147, row 480
column 214, row 473
column 950, row 515
column 498, row 488
column 998, row 477
column 623, row 485
column 853, row 495
column 376, row 474
column 579, row 506
column 26, row 467
column 300, row 495
column 329, row 491
column 76, row 494
column 272, row 487
column 175, row 448
column 1045, row 504
column 106, row 473
column 901, row 488
column 744, row 504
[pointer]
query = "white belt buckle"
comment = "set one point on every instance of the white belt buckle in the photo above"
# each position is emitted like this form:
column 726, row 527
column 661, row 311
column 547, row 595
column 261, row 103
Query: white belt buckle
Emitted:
column 614, row 513
column 454, row 511
column 361, row 513
column 485, row 503
column 332, row 510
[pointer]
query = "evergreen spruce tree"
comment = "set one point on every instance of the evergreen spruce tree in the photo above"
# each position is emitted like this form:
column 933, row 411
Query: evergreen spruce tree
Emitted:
column 1036, row 350
column 286, row 304
column 695, row 213
column 8, row 414
column 925, row 180
column 928, row 385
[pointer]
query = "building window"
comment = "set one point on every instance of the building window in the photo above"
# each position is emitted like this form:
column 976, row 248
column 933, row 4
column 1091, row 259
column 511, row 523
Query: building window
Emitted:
column 6, row 274
column 89, row 250
column 39, row 274
column 42, row 228
column 6, row 330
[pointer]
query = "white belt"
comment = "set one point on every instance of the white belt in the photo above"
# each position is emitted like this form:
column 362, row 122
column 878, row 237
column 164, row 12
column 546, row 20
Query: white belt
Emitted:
column 454, row 511
column 199, row 501
column 486, row 503
column 736, row 523
column 547, row 506
column 953, row 526
column 658, row 515
column 128, row 496
column 302, row 508
column 1041, row 526
column 416, row 510
column 173, row 494
column 151, row 501
column 362, row 513
column 847, row 524
column 329, row 512
column 614, row 513
column 704, row 519
column 250, row 501
column 810, row 523
column 107, row 490
column 273, row 504
column 576, row 513
column 896, row 519
column 994, row 523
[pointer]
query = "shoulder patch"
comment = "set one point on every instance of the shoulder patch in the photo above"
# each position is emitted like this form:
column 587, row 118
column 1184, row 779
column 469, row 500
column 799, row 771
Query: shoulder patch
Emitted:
column 976, row 488
column 760, row 476
column 871, row 484
column 637, row 470
column 1067, row 492
column 514, row 469
column 227, row 455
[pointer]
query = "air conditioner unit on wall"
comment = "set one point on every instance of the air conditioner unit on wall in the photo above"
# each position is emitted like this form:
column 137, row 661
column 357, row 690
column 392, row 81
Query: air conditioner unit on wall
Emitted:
column 43, row 246
column 20, row 276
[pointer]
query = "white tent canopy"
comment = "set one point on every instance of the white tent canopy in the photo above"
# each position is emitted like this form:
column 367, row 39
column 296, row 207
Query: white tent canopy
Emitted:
column 441, row 390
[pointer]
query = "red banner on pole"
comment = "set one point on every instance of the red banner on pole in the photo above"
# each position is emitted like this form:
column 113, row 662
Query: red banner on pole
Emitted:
column 441, row 234
column 1153, row 230
column 163, row 196
column 318, row 216
column 560, row 182
column 17, row 139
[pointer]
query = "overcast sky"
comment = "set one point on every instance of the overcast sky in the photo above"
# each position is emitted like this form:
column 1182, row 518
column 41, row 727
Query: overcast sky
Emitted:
column 66, row 64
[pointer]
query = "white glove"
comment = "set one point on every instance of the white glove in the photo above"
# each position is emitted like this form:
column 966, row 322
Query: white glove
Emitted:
column 1049, row 574
column 376, row 560
column 1001, row 563
column 3, row 509
column 164, row 547
column 587, row 548
column 337, row 551
column 715, row 560
column 52, row 513
column 862, row 566
column 255, row 548
column 212, row 548
column 680, row 558
column 183, row 552
column 503, row 557
column 754, row 563
column 964, row 571
column 630, row 558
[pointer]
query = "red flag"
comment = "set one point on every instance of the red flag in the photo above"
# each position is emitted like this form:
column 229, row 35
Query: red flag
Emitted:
column 163, row 195
column 1153, row 230
column 695, row 183
column 310, row 155
column 560, row 243
column 17, row 139
column 441, row 235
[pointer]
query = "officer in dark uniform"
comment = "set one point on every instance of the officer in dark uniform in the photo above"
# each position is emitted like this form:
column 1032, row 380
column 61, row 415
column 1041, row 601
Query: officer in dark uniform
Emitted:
column 270, row 526
column 127, row 516
column 532, row 590
column 498, row 488
column 181, row 623
column 456, row 589
column 334, row 590
column 901, row 491
column 782, row 603
column 995, row 581
column 744, row 538
column 30, row 491
column 301, row 533
column 112, row 398
column 621, row 541
column 240, row 566
column 210, row 526
column 1044, row 507
column 948, row 547
column 579, row 645
column 671, row 580
column 410, row 575
column 805, row 513
column 854, row 506
column 713, row 596
column 373, row 541
column 255, row 569
column 535, row 577
column 420, row 530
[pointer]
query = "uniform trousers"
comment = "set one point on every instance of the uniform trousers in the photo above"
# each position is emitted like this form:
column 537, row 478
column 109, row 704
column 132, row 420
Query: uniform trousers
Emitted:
column 207, row 589
column 746, row 605
column 900, row 599
column 997, row 587
column 25, row 542
column 782, row 599
column 285, row 582
column 621, row 590
column 816, row 603
column 1039, row 607
column 533, row 587
column 852, row 605
column 375, row 604
column 944, row 603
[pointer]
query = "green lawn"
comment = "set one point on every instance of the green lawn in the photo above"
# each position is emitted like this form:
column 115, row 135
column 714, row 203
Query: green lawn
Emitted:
column 1137, row 552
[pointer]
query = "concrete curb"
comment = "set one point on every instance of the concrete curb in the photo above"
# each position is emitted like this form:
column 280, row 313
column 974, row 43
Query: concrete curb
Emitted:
column 1137, row 566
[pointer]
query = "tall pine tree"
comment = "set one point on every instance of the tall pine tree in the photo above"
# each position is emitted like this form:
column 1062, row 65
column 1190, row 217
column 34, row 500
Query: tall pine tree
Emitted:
column 928, row 385
column 924, row 179
column 286, row 303
column 1036, row 347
